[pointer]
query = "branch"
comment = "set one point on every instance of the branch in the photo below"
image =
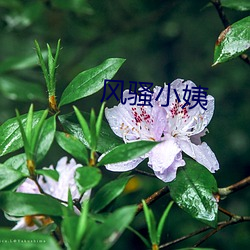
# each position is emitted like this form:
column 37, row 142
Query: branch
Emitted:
column 226, row 23
column 223, row 192
column 152, row 198
column 144, row 173
column 235, row 220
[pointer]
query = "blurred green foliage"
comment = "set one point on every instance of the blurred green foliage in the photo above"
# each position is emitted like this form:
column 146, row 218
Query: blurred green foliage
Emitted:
column 161, row 41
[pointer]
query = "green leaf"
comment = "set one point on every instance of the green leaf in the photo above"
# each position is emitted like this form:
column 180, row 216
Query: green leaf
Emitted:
column 18, row 162
column 105, row 235
column 127, row 152
column 90, row 81
column 108, row 193
column 20, row 204
column 241, row 5
column 233, row 41
column 53, row 174
column 73, row 146
column 99, row 121
column 19, row 90
column 107, row 139
column 8, row 176
column 69, row 230
column 87, row 177
column 193, row 191
column 10, row 136
column 195, row 248
column 162, row 221
column 151, row 223
column 16, row 240
column 46, row 138
column 84, row 125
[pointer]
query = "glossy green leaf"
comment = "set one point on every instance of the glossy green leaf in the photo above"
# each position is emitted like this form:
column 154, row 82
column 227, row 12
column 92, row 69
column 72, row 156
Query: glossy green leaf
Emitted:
column 87, row 177
column 69, row 230
column 20, row 204
column 73, row 146
column 195, row 248
column 8, row 176
column 108, row 193
column 19, row 90
column 151, row 223
column 90, row 81
column 127, row 152
column 233, row 41
column 53, row 174
column 162, row 221
column 10, row 136
column 18, row 162
column 105, row 235
column 84, row 125
column 46, row 138
column 193, row 191
column 107, row 138
column 241, row 5
column 16, row 240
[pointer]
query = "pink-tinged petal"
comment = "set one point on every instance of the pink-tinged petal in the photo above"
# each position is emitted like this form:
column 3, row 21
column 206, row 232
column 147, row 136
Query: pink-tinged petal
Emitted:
column 133, row 122
column 196, row 139
column 124, row 166
column 165, row 158
column 29, row 187
column 183, row 120
column 201, row 153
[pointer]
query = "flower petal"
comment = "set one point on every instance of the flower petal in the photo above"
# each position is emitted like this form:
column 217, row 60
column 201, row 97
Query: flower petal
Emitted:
column 124, row 166
column 29, row 187
column 201, row 153
column 165, row 158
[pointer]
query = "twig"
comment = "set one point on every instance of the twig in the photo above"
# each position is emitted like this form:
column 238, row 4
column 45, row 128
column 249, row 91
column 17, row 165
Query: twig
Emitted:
column 144, row 173
column 152, row 198
column 235, row 220
column 226, row 23
column 223, row 192
column 224, row 211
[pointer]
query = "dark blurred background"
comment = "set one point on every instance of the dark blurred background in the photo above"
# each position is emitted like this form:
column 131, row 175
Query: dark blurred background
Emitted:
column 161, row 41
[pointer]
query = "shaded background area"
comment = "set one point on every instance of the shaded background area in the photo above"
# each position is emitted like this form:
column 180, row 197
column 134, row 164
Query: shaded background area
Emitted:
column 161, row 41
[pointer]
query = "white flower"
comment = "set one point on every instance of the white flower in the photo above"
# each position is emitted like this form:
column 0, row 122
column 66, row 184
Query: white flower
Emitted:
column 58, row 189
column 179, row 126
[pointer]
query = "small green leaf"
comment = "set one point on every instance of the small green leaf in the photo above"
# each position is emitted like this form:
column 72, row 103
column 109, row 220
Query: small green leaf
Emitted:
column 46, row 137
column 90, row 81
column 84, row 125
column 16, row 240
column 162, row 221
column 69, row 231
column 126, row 152
column 99, row 121
column 9, row 175
column 20, row 204
column 193, row 191
column 73, row 146
column 105, row 235
column 241, row 5
column 143, row 239
column 19, row 90
column 233, row 41
column 18, row 162
column 10, row 136
column 53, row 174
column 107, row 138
column 92, row 127
column 151, row 223
column 87, row 177
column 108, row 193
